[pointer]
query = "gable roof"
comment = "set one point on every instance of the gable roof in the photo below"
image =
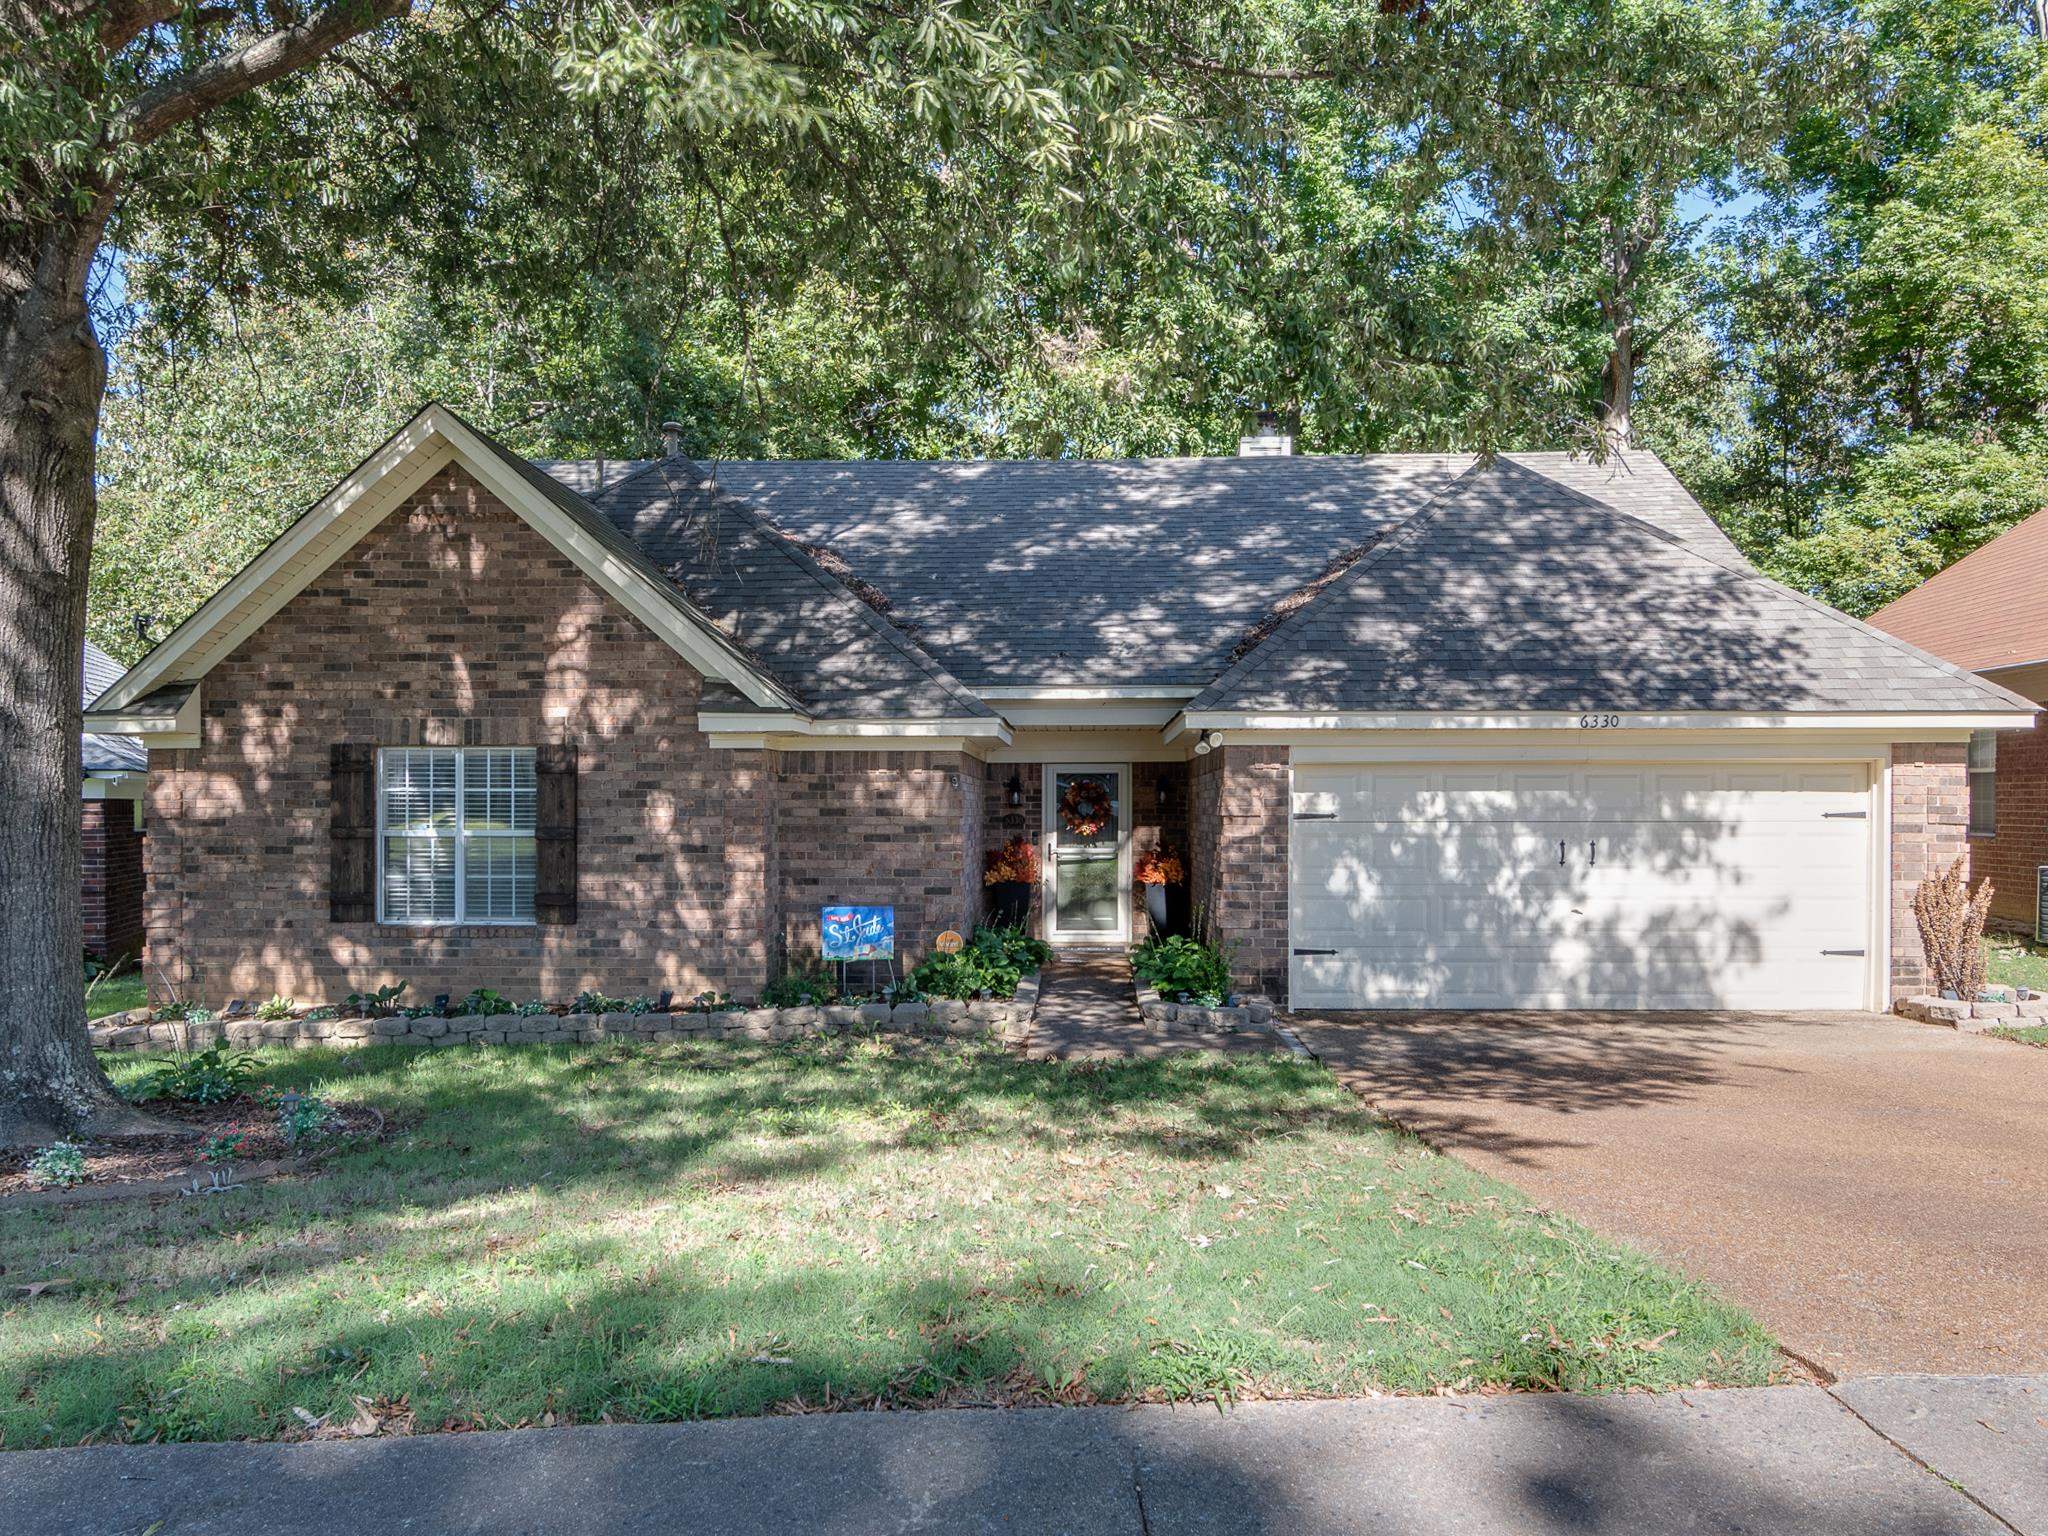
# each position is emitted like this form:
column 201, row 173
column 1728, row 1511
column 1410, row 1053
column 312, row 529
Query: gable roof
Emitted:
column 1988, row 610
column 1118, row 572
column 1512, row 593
column 800, row 620
column 375, row 488
column 107, row 754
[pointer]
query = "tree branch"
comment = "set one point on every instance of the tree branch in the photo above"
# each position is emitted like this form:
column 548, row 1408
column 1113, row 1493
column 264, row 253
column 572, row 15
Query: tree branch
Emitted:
column 257, row 62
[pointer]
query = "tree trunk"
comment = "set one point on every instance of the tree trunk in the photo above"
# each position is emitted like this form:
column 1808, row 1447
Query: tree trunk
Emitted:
column 52, row 375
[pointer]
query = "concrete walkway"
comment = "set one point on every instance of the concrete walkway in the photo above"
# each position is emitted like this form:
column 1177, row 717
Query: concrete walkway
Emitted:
column 1873, row 1189
column 1773, row 1460
column 1087, row 1011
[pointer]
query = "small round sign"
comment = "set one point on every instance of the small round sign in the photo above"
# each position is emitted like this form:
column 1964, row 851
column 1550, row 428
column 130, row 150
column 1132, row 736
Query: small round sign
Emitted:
column 949, row 943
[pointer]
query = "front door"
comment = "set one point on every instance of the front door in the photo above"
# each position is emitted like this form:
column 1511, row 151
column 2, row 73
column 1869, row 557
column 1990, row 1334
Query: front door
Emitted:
column 1087, row 884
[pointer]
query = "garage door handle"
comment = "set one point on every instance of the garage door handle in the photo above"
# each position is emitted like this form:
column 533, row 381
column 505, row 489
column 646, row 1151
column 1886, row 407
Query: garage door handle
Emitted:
column 1845, row 815
column 1844, row 952
column 1315, row 951
column 1315, row 815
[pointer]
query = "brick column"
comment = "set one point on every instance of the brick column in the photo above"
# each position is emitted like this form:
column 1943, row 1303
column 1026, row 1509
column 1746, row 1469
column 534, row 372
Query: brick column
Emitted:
column 1930, row 815
column 1238, row 833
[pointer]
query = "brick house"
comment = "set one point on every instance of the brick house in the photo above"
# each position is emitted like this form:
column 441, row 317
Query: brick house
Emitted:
column 1428, row 730
column 1988, row 613
column 114, row 772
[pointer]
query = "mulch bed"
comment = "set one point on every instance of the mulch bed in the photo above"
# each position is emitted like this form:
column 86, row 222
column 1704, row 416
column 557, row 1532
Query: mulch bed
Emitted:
column 143, row 1164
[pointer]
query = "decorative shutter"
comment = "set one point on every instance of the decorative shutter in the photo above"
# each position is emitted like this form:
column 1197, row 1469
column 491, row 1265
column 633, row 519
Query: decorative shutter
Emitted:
column 352, row 834
column 554, row 833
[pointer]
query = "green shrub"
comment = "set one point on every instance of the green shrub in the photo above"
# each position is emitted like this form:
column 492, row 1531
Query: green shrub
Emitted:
column 805, row 984
column 991, row 964
column 596, row 1002
column 222, row 1149
column 303, row 1118
column 484, row 1003
column 276, row 1007
column 380, row 1004
column 211, row 1076
column 58, row 1166
column 1184, row 968
column 182, row 1013
column 531, row 1008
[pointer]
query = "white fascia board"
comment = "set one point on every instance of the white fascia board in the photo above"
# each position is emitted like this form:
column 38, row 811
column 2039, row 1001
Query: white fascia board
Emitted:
column 1079, row 693
column 333, row 526
column 862, row 732
column 127, row 784
column 1055, row 715
column 1900, row 726
column 157, row 730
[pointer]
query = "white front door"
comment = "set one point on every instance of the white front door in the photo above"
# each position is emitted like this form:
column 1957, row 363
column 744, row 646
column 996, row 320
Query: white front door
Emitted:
column 1507, row 886
column 1087, row 854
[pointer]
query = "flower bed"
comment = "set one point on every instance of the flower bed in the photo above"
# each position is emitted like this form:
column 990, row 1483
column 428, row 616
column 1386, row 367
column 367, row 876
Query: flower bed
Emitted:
column 939, row 1016
column 1987, row 1013
column 1248, row 1013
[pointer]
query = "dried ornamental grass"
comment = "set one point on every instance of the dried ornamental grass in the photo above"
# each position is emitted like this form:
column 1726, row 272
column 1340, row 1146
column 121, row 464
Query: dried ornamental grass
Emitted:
column 1951, row 922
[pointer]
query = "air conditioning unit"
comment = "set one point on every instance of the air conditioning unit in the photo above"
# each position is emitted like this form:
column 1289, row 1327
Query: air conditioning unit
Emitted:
column 2041, row 904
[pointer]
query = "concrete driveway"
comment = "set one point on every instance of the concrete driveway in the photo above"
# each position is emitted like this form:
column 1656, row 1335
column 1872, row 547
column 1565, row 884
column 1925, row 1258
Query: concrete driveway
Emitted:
column 1875, row 1190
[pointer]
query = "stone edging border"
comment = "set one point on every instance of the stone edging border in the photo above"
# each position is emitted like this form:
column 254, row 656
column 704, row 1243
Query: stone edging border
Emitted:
column 1973, row 1018
column 1010, row 1018
column 1252, row 1013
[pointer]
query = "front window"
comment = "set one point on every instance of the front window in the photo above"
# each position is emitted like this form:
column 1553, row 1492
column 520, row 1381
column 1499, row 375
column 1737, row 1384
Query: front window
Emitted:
column 1983, row 783
column 455, row 838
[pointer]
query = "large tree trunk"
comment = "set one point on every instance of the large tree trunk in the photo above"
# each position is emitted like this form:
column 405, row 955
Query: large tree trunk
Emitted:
column 52, row 375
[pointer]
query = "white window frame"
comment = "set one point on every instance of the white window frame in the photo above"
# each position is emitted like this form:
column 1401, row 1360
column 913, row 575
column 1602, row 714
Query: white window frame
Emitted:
column 1983, row 744
column 461, row 919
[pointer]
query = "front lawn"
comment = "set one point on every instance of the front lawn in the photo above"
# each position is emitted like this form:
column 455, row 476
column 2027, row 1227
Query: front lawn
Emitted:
column 2030, row 1034
column 564, row 1234
column 115, row 994
column 2011, row 960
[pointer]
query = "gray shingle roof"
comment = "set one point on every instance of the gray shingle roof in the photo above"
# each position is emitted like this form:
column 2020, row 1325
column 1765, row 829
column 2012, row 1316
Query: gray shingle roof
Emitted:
column 107, row 754
column 1512, row 593
column 837, row 653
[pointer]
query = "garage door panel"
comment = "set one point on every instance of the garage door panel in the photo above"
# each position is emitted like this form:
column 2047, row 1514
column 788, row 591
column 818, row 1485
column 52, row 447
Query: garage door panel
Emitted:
column 1627, row 886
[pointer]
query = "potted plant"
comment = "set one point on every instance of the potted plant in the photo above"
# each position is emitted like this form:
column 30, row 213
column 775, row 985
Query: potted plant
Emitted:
column 1009, row 873
column 1162, row 878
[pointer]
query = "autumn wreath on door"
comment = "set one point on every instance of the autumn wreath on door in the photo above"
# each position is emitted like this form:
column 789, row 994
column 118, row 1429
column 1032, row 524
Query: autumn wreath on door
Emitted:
column 1084, row 807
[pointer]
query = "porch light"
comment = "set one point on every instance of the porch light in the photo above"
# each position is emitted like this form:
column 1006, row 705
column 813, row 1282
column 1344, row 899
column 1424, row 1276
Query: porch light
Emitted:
column 1016, row 788
column 1205, row 743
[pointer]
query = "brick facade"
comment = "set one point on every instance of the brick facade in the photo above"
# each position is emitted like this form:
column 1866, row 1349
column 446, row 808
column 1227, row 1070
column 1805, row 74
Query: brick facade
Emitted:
column 454, row 623
column 1238, row 817
column 902, row 829
column 110, row 849
column 2009, row 859
column 1930, row 813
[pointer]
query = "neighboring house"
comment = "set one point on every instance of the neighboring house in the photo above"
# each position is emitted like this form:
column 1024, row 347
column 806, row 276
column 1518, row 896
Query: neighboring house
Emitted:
column 1988, row 613
column 110, row 826
column 1430, row 730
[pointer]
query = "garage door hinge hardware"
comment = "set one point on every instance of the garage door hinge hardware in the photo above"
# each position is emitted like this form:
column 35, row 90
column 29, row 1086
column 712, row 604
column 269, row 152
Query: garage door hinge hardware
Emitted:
column 1844, row 815
column 1844, row 951
column 1315, row 951
column 1315, row 815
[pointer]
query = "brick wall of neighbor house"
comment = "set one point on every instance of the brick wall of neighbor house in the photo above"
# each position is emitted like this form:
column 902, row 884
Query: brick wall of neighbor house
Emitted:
column 1930, row 814
column 2010, row 859
column 1238, row 812
column 899, row 829
column 110, row 848
column 453, row 623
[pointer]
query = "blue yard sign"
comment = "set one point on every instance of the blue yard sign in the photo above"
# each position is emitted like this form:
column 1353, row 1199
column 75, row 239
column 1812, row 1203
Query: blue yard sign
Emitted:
column 858, row 933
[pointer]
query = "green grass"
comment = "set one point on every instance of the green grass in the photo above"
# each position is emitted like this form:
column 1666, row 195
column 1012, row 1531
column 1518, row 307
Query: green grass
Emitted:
column 115, row 994
column 2031, row 1034
column 2013, row 961
column 657, row 1233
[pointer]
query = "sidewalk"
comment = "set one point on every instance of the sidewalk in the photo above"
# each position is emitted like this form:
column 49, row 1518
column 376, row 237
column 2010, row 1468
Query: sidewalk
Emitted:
column 1780, row 1459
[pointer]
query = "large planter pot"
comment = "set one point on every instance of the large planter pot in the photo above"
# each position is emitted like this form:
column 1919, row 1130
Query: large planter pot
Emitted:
column 1166, row 908
column 1009, row 903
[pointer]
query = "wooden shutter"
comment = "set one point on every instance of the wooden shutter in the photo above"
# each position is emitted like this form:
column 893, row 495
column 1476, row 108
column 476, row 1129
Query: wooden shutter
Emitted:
column 352, row 834
column 554, row 833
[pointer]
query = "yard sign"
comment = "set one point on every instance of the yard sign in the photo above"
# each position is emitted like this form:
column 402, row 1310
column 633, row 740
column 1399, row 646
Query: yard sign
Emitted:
column 858, row 933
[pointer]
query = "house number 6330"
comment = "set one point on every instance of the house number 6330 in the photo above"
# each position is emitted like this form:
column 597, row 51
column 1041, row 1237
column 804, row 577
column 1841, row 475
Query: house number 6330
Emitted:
column 1599, row 722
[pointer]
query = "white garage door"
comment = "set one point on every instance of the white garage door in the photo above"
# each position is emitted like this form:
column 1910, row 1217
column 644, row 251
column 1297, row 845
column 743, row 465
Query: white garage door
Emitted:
column 1491, row 886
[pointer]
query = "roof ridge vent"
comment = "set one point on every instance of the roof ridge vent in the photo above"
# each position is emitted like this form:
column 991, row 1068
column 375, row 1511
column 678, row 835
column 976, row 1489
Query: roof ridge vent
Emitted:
column 1269, row 442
